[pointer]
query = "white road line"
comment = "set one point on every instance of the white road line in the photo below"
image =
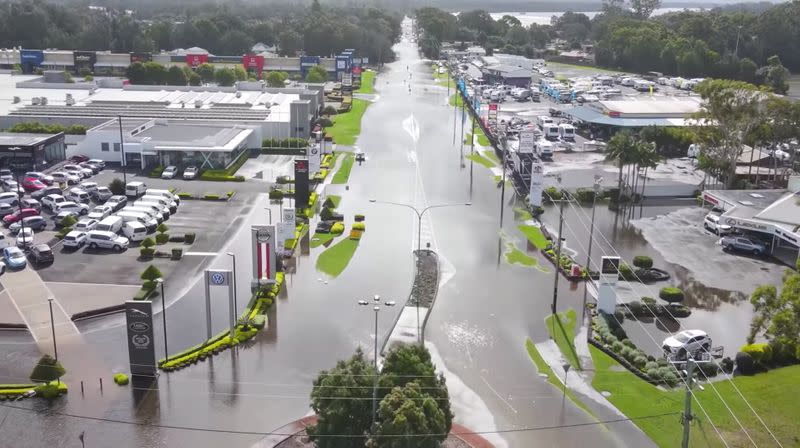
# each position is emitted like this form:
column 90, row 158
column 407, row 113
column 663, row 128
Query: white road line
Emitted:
column 498, row 395
column 21, row 315
column 92, row 284
column 202, row 254
column 55, row 299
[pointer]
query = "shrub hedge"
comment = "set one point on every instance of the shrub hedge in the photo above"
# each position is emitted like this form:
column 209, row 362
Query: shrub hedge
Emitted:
column 359, row 226
column 337, row 228
column 761, row 352
column 162, row 238
column 188, row 238
column 671, row 294
column 643, row 262
column 121, row 379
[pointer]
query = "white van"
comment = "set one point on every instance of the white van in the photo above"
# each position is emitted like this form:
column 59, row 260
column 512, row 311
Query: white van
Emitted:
column 551, row 131
column 143, row 218
column 165, row 193
column 9, row 197
column 155, row 208
column 110, row 224
column 152, row 214
column 544, row 120
column 498, row 95
column 134, row 230
column 566, row 131
column 545, row 149
column 135, row 189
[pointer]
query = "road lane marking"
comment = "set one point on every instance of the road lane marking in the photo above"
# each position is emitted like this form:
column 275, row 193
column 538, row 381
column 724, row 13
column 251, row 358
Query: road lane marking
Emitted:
column 201, row 254
column 498, row 395
column 21, row 315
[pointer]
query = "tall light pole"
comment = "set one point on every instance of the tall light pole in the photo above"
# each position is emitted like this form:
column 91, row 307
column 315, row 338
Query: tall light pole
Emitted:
column 554, row 305
column 53, row 327
column 376, row 300
column 233, row 256
column 122, row 150
column 597, row 180
column 160, row 281
column 420, row 214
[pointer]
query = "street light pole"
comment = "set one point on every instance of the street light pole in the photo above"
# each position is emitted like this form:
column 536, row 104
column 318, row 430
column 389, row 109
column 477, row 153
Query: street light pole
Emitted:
column 122, row 150
column 566, row 367
column 558, row 259
column 53, row 327
column 164, row 317
column 597, row 180
column 269, row 210
column 235, row 285
column 376, row 300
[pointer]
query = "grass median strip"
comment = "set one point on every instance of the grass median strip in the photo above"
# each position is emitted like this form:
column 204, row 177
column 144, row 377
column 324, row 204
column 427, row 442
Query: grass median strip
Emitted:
column 477, row 158
column 347, row 126
column 367, row 82
column 544, row 369
column 334, row 259
column 562, row 330
column 535, row 236
column 771, row 394
column 455, row 100
column 492, row 156
column 322, row 239
column 342, row 175
column 516, row 256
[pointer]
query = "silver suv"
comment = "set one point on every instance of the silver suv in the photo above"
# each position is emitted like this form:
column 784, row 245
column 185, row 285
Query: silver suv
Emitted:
column 712, row 223
column 743, row 244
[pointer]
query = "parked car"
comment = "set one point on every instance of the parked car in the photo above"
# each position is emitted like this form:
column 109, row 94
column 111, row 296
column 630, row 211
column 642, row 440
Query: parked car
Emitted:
column 117, row 202
column 743, row 244
column 190, row 173
column 90, row 166
column 77, row 195
column 686, row 342
column 38, row 195
column 101, row 194
column 78, row 158
column 135, row 189
column 88, row 187
column 31, row 203
column 14, row 258
column 711, row 222
column 58, row 218
column 36, row 223
column 100, row 212
column 52, row 200
column 86, row 224
column 42, row 254
column 70, row 206
column 41, row 177
column 6, row 209
column 25, row 237
column 13, row 186
column 74, row 239
column 106, row 240
column 19, row 214
column 6, row 173
column 169, row 172
column 98, row 162
column 32, row 184
column 64, row 177
column 78, row 170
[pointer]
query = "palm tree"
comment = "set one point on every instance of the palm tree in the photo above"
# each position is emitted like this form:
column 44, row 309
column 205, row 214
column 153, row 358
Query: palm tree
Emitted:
column 622, row 149
column 648, row 157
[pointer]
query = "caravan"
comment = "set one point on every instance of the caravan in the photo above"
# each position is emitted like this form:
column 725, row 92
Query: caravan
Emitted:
column 566, row 131
column 545, row 149
column 551, row 131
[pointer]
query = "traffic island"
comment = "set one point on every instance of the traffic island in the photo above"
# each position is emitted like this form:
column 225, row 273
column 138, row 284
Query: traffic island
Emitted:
column 410, row 324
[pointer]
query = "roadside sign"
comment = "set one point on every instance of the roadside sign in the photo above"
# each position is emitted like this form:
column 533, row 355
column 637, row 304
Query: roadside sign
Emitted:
column 141, row 348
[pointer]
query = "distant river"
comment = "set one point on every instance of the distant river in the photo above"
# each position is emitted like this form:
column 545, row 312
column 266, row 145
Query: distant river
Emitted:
column 543, row 18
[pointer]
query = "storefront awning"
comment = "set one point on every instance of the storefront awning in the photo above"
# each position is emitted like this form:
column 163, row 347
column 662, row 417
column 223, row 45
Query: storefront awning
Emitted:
column 590, row 115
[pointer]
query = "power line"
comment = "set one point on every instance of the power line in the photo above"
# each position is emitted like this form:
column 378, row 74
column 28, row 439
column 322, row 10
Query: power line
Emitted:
column 258, row 433
column 701, row 371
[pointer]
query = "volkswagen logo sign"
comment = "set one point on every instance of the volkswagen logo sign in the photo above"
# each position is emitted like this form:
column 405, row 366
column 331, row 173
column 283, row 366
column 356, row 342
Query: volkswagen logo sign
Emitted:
column 140, row 341
column 263, row 235
column 217, row 278
column 139, row 327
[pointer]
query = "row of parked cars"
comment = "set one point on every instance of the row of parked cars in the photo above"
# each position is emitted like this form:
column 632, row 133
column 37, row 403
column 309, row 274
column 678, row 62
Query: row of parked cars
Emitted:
column 731, row 241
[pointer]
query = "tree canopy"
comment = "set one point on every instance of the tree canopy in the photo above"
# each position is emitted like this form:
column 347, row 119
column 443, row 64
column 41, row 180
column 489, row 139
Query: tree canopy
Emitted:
column 47, row 369
column 317, row 74
column 777, row 314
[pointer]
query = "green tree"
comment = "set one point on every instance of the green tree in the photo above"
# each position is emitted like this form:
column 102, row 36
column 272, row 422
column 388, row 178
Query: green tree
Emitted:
column 289, row 42
column 136, row 73
column 117, row 186
column 151, row 273
column 644, row 8
column 622, row 148
column 225, row 77
column 408, row 412
column 234, row 42
column 176, row 76
column 277, row 79
column 777, row 315
column 342, row 398
column 206, row 72
column 162, row 228
column 194, row 79
column 731, row 111
column 774, row 75
column 155, row 73
column 240, row 74
column 317, row 74
column 47, row 369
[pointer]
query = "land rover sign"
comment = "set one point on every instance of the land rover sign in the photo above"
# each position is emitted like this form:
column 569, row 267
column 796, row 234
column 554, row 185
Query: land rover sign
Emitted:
column 141, row 347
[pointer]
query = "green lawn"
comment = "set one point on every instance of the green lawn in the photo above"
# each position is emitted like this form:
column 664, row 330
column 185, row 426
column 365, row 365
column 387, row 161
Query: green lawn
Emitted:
column 336, row 199
column 367, row 82
column 772, row 395
column 543, row 368
column 335, row 258
column 347, row 126
column 482, row 139
column 535, row 236
column 343, row 173
column 519, row 257
column 562, row 330
column 455, row 100
column 520, row 213
column 477, row 158
column 442, row 78
column 321, row 239
column 492, row 156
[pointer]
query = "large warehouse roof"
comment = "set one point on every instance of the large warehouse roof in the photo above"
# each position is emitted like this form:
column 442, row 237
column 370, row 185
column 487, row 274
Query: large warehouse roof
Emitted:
column 662, row 107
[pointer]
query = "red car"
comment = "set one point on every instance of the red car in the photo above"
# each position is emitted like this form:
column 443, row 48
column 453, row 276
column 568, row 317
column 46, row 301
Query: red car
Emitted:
column 32, row 184
column 19, row 214
column 78, row 158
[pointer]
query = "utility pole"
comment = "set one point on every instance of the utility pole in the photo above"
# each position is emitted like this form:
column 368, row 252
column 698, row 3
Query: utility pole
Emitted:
column 597, row 180
column 687, row 416
column 558, row 257
column 504, row 143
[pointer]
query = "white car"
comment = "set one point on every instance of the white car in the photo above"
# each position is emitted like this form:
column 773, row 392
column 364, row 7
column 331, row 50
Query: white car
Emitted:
column 13, row 186
column 687, row 342
column 106, row 240
column 85, row 225
column 78, row 170
column 75, row 239
column 190, row 173
column 98, row 162
column 70, row 206
column 77, row 195
column 101, row 194
column 712, row 223
column 100, row 212
column 63, row 177
column 25, row 237
column 9, row 198
column 51, row 201
column 88, row 187
column 169, row 172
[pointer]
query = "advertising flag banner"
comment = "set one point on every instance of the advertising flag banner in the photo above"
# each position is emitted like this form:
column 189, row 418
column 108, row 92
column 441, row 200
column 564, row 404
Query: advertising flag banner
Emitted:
column 141, row 348
column 194, row 60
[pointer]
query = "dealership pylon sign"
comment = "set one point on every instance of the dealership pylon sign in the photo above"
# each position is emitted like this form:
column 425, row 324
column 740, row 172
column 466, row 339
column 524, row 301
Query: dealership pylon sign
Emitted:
column 141, row 347
column 264, row 254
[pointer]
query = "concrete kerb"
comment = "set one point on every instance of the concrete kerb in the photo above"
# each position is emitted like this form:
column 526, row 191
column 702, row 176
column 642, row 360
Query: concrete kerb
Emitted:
column 388, row 336
column 435, row 293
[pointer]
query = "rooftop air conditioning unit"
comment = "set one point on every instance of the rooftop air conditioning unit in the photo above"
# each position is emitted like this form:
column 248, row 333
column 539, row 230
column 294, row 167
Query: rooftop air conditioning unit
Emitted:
column 44, row 101
column 70, row 101
column 36, row 101
column 198, row 103
column 16, row 100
